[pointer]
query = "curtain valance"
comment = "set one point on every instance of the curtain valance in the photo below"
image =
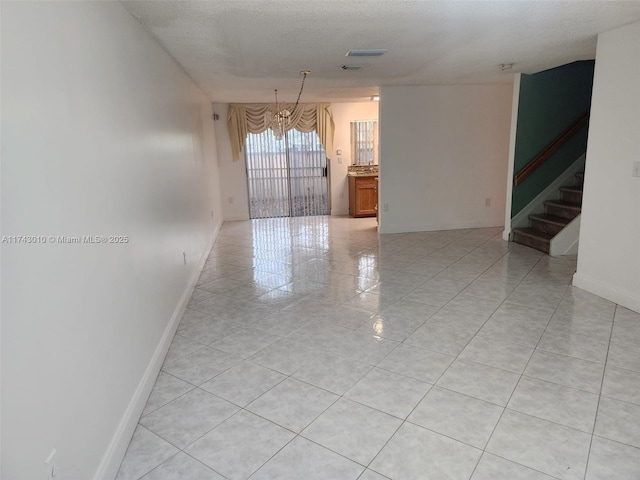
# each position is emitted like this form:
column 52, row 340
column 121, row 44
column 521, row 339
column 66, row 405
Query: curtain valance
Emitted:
column 247, row 118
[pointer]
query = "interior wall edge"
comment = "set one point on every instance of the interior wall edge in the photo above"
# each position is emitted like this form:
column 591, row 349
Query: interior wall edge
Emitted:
column 515, row 103
column 108, row 468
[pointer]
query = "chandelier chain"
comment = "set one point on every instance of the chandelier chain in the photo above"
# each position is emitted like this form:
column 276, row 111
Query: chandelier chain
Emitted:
column 279, row 120
column 304, row 77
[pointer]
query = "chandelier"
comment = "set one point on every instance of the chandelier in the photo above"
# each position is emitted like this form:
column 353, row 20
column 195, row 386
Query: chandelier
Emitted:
column 280, row 120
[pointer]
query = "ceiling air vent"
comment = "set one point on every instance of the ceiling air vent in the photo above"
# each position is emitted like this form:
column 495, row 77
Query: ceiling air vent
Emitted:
column 351, row 67
column 365, row 52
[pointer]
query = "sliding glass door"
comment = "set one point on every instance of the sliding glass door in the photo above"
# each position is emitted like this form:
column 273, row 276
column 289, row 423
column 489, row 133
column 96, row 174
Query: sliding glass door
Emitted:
column 288, row 177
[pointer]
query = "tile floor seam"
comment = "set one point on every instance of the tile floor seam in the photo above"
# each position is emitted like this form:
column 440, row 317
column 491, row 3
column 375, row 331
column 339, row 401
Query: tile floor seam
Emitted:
column 178, row 453
column 330, row 449
column 570, row 356
column 460, row 292
column 604, row 371
column 445, row 435
column 405, row 420
column 165, row 404
column 618, row 441
column 625, row 369
column 513, row 461
column 274, row 454
column 548, row 421
column 618, row 399
column 374, row 408
column 470, row 396
column 520, row 375
column 267, row 461
column 559, row 384
column 368, row 466
column 208, row 431
column 406, row 375
column 243, row 407
column 197, row 385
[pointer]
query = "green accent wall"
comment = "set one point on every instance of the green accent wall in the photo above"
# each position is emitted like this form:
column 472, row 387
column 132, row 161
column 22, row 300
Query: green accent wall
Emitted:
column 549, row 102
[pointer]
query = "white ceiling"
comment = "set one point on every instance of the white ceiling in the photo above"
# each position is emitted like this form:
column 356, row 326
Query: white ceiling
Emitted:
column 240, row 50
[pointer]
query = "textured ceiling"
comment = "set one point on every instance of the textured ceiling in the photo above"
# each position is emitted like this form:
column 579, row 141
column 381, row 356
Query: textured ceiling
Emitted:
column 240, row 50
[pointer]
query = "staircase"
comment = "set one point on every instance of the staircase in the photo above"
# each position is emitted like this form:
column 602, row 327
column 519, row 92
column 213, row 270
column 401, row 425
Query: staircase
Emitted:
column 557, row 214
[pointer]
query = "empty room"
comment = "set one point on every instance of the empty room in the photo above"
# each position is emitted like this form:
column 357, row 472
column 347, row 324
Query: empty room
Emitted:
column 374, row 240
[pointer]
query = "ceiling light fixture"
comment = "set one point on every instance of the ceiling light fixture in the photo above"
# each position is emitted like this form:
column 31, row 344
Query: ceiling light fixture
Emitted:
column 506, row 66
column 279, row 120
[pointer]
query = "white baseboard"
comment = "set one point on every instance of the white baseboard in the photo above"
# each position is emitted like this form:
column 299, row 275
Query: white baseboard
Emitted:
column 108, row 468
column 621, row 297
column 432, row 228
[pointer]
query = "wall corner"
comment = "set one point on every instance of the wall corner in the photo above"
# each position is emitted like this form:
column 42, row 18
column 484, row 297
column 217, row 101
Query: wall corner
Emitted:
column 506, row 235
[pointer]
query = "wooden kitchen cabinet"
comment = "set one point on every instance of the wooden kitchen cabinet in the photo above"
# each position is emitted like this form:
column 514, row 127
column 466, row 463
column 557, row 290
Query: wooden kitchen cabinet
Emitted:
column 363, row 195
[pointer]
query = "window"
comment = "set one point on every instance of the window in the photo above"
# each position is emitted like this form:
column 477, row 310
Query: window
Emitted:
column 364, row 142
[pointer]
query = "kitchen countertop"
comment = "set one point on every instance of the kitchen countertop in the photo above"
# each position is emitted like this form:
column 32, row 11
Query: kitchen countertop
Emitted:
column 362, row 171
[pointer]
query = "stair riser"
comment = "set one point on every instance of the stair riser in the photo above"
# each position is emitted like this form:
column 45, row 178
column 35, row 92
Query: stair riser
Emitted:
column 573, row 197
column 561, row 211
column 531, row 242
column 548, row 227
column 580, row 178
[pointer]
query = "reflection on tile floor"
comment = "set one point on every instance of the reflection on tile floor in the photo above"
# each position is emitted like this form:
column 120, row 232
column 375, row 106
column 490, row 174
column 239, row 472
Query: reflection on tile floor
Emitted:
column 316, row 348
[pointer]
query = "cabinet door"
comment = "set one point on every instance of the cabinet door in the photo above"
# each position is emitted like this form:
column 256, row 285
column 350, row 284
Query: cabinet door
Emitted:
column 367, row 196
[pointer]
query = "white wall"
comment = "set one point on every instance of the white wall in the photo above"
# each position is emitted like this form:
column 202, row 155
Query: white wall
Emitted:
column 235, row 198
column 343, row 115
column 444, row 151
column 102, row 134
column 234, row 174
column 609, row 255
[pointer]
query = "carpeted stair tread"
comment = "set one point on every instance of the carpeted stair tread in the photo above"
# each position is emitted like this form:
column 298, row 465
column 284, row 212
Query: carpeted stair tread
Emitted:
column 533, row 238
column 532, row 232
column 564, row 204
column 545, row 217
column 573, row 189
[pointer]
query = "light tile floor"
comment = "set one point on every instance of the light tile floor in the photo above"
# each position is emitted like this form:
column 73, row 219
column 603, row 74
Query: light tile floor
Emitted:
column 314, row 348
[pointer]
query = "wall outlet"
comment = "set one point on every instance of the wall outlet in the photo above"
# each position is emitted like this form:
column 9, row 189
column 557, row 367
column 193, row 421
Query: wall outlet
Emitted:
column 51, row 468
column 339, row 160
column 230, row 200
column 636, row 169
column 487, row 202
